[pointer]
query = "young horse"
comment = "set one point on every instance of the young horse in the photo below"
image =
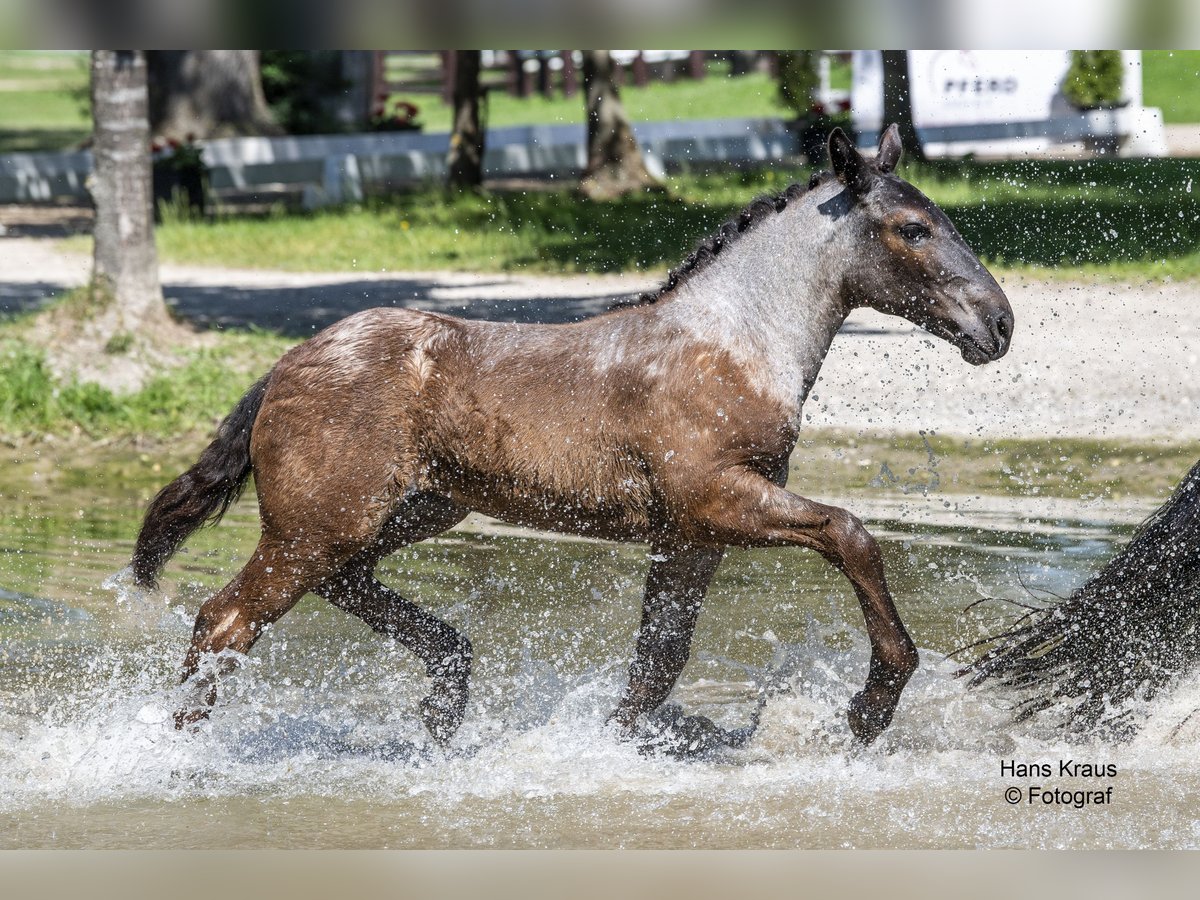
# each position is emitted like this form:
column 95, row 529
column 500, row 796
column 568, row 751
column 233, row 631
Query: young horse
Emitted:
column 669, row 422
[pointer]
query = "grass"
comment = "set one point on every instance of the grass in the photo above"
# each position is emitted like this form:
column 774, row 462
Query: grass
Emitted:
column 1074, row 468
column 717, row 96
column 189, row 400
column 43, row 101
column 1169, row 80
column 1129, row 219
column 49, row 120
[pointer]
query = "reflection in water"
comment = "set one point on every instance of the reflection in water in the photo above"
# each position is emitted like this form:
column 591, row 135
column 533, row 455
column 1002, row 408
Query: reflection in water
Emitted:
column 315, row 741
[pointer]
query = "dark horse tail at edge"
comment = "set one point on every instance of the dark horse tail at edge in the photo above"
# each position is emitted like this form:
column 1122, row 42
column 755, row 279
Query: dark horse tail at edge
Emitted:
column 1127, row 634
column 202, row 494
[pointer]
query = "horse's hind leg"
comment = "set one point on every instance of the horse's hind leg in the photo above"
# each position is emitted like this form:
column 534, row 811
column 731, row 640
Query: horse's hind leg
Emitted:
column 446, row 653
column 276, row 577
column 675, row 589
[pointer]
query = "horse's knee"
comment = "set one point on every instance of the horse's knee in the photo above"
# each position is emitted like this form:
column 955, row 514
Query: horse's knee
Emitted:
column 219, row 625
column 851, row 541
column 219, row 621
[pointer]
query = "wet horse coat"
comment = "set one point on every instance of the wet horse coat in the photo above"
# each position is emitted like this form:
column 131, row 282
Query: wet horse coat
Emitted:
column 669, row 422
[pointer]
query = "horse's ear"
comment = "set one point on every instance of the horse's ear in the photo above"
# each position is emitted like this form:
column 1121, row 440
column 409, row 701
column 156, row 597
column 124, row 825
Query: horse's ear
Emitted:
column 849, row 166
column 890, row 149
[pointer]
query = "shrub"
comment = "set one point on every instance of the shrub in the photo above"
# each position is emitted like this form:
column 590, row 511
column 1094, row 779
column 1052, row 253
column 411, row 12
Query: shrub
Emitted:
column 1094, row 79
column 298, row 84
column 797, row 79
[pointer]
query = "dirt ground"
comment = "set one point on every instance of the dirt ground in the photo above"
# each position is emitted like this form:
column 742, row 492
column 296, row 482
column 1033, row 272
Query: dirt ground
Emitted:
column 1089, row 359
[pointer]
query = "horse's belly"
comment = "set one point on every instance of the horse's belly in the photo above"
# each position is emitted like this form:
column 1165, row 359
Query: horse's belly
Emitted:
column 624, row 516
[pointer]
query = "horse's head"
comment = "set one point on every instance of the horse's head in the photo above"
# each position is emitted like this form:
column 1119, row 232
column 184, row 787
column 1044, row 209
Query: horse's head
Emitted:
column 909, row 259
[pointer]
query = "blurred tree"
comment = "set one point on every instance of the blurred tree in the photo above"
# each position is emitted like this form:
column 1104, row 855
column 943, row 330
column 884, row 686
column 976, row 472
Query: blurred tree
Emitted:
column 614, row 161
column 207, row 93
column 302, row 89
column 797, row 80
column 743, row 62
column 125, row 283
column 465, row 161
column 897, row 102
column 1095, row 79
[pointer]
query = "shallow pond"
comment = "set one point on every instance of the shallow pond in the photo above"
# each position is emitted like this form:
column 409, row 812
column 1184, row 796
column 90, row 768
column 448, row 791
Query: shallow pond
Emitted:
column 315, row 741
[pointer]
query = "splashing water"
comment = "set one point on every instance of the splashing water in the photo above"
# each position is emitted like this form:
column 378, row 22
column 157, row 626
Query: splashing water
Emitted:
column 315, row 740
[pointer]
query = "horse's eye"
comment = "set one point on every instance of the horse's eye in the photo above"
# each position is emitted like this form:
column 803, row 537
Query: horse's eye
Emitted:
column 914, row 232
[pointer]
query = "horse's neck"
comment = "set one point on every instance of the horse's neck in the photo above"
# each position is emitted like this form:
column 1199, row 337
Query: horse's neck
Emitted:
column 771, row 300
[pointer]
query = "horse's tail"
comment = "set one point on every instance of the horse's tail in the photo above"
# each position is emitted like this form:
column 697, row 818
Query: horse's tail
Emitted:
column 202, row 493
column 1125, row 634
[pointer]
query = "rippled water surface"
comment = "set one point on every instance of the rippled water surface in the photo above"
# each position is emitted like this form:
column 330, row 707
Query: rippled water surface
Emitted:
column 315, row 740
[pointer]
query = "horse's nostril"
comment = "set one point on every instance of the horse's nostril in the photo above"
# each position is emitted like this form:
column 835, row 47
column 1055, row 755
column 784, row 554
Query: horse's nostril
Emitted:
column 1004, row 325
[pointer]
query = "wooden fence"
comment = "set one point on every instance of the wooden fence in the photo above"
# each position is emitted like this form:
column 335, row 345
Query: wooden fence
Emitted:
column 523, row 73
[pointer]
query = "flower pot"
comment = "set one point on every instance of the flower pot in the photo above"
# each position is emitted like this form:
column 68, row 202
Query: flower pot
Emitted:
column 171, row 183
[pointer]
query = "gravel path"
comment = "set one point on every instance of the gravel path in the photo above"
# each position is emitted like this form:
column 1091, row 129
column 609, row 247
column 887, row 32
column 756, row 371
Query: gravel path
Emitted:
column 1089, row 359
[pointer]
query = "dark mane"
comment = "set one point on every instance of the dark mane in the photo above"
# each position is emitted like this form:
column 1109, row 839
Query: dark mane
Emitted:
column 712, row 246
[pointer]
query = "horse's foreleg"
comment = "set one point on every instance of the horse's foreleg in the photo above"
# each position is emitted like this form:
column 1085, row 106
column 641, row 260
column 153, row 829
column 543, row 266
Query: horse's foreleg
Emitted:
column 446, row 653
column 748, row 510
column 268, row 586
column 675, row 588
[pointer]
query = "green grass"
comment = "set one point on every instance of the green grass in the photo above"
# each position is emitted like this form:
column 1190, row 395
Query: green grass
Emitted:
column 48, row 120
column 1118, row 218
column 715, row 97
column 43, row 110
column 1169, row 80
column 1136, row 218
column 831, row 461
column 50, row 67
column 187, row 400
column 43, row 101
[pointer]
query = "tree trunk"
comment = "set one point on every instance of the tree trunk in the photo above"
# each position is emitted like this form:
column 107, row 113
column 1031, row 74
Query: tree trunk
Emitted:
column 614, row 162
column 465, row 162
column 207, row 93
column 897, row 102
column 125, row 259
column 119, row 333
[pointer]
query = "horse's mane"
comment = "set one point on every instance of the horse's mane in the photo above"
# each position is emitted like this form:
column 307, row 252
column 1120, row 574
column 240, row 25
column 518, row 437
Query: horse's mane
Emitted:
column 716, row 243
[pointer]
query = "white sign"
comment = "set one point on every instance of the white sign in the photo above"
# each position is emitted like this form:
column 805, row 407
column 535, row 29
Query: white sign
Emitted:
column 996, row 101
column 960, row 87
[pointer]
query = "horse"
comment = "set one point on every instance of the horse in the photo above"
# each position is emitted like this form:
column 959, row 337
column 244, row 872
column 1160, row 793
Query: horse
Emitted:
column 668, row 421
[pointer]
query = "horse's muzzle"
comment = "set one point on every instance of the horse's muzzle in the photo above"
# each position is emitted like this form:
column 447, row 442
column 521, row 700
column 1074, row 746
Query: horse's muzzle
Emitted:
column 989, row 343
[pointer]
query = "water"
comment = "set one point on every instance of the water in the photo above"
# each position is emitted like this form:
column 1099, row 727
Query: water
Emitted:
column 315, row 741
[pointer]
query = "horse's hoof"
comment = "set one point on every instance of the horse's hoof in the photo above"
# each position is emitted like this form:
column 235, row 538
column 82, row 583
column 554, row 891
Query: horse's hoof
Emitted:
column 689, row 737
column 443, row 710
column 868, row 720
